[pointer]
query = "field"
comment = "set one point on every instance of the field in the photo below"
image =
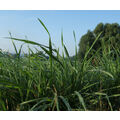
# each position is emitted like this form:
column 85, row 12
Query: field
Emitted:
column 56, row 82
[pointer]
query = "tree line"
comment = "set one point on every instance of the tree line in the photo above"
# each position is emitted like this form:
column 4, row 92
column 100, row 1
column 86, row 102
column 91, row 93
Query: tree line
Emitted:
column 110, row 38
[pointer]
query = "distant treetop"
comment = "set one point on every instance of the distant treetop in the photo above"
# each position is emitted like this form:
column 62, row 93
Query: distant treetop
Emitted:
column 110, row 36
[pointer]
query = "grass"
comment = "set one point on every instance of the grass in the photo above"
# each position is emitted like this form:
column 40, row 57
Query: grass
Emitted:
column 35, row 83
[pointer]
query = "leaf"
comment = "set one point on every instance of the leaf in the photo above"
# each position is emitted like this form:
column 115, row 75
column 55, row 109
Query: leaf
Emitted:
column 104, row 94
column 15, row 47
column 92, row 45
column 102, row 71
column 55, row 102
column 3, row 105
column 66, row 103
column 66, row 52
column 26, row 102
column 41, row 101
column 29, row 101
column 99, row 93
column 28, row 41
column 115, row 95
column 81, row 100
column 74, row 36
column 109, row 103
column 20, row 50
column 88, row 86
column 44, row 26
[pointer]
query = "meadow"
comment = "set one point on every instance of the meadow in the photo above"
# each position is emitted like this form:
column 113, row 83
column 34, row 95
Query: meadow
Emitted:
column 58, row 83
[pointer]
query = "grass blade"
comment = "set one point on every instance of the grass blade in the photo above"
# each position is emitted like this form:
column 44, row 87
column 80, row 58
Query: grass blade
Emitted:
column 66, row 103
column 92, row 45
column 44, row 26
column 81, row 100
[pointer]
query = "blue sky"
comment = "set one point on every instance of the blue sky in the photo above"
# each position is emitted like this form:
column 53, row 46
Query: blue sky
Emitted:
column 24, row 23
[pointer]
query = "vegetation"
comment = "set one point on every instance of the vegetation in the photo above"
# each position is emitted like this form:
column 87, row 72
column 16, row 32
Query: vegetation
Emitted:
column 110, row 38
column 37, row 83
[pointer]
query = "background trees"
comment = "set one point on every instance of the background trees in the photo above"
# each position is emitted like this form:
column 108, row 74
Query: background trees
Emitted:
column 110, row 38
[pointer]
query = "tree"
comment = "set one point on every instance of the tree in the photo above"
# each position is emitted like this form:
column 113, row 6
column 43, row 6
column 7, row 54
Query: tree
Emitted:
column 110, row 38
column 85, row 42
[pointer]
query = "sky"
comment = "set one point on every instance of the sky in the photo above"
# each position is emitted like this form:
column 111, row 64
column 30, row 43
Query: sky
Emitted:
column 23, row 23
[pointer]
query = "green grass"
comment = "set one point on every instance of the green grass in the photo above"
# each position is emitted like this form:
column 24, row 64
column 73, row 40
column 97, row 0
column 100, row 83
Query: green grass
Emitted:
column 36, row 83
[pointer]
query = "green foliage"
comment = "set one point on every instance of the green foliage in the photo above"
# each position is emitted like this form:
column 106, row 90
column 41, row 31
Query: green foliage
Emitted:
column 110, row 38
column 37, row 83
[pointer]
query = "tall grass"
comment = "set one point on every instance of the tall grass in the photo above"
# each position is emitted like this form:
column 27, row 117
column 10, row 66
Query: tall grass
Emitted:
column 36, row 83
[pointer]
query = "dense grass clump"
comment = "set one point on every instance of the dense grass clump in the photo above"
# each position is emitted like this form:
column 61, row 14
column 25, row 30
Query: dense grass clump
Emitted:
column 39, row 83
